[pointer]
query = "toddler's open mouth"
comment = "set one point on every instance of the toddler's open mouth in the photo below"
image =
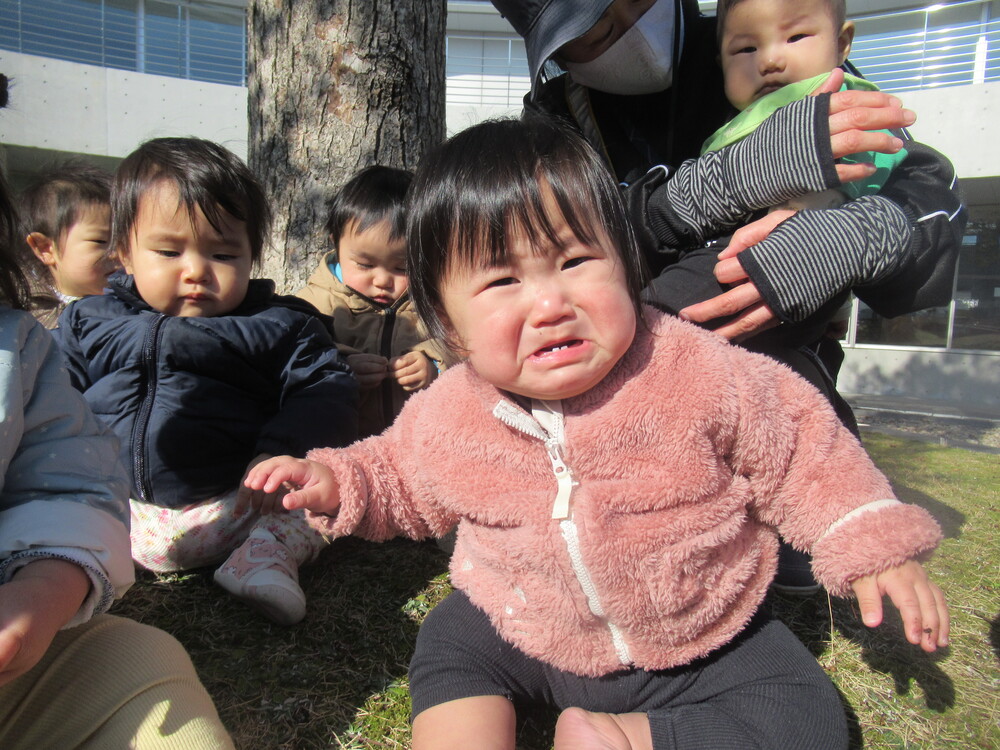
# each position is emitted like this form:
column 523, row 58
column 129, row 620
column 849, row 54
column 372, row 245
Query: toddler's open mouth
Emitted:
column 558, row 346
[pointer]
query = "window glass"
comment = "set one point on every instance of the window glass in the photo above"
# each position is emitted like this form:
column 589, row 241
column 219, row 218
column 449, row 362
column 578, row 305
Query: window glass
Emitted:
column 486, row 70
column 976, row 299
column 28, row 28
column 953, row 44
column 217, row 43
column 465, row 56
column 485, row 55
column 922, row 328
column 120, row 34
column 164, row 39
column 179, row 39
column 977, row 291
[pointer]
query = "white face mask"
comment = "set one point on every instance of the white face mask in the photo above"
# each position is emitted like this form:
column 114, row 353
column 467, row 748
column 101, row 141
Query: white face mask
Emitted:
column 640, row 62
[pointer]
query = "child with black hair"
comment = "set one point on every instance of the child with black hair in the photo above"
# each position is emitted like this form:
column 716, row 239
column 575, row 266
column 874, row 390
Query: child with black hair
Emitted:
column 362, row 284
column 618, row 479
column 72, row 676
column 202, row 372
column 66, row 215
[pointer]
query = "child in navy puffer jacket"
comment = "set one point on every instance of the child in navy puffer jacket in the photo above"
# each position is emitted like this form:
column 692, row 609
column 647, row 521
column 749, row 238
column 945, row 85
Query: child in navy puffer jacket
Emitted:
column 202, row 372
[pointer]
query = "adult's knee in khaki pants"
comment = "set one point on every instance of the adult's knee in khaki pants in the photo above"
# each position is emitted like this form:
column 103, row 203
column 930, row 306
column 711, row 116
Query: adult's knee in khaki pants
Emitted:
column 111, row 683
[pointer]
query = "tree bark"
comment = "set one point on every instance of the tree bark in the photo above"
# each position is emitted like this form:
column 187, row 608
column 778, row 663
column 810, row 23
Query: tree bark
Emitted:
column 335, row 86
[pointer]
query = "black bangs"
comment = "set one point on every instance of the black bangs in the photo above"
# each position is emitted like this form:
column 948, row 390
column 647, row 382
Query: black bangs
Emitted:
column 374, row 195
column 206, row 175
column 492, row 182
column 490, row 220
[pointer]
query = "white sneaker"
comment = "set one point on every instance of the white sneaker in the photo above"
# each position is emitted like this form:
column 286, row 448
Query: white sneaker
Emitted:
column 262, row 573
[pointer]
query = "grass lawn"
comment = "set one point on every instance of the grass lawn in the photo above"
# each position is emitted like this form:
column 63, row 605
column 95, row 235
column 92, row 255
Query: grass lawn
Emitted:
column 339, row 679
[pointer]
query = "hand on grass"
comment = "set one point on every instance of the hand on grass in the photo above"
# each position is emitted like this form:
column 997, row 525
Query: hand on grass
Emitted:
column 314, row 485
column 919, row 601
column 369, row 369
column 744, row 300
column 857, row 119
column 40, row 598
column 413, row 370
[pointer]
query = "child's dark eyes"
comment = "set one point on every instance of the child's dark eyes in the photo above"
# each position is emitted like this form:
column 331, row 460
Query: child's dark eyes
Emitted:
column 505, row 281
column 796, row 38
column 574, row 262
column 225, row 256
column 167, row 253
column 745, row 50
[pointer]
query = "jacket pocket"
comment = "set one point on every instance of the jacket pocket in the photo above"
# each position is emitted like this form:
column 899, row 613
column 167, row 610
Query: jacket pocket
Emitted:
column 693, row 582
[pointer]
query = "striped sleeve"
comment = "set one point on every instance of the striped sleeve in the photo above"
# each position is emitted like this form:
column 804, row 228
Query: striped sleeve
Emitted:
column 815, row 255
column 788, row 155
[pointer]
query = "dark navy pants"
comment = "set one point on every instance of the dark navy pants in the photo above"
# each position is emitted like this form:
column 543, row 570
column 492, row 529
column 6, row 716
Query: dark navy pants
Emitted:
column 762, row 690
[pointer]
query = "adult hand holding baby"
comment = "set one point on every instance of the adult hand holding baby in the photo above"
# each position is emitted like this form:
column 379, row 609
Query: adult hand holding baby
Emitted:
column 857, row 121
column 853, row 116
column 744, row 298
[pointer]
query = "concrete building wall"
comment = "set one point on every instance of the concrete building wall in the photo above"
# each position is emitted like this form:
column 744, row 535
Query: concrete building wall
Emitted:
column 67, row 107
column 960, row 377
column 960, row 121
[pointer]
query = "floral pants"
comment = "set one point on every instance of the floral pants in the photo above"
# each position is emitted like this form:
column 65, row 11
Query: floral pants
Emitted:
column 165, row 540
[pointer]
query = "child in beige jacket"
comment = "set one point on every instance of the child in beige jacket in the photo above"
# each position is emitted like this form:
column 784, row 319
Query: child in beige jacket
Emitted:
column 362, row 283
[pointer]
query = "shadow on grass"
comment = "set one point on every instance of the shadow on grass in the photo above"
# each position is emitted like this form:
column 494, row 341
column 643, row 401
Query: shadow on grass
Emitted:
column 951, row 520
column 904, row 459
column 884, row 649
column 995, row 637
column 300, row 687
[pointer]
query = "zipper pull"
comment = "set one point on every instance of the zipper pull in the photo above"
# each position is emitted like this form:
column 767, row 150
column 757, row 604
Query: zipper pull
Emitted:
column 564, row 481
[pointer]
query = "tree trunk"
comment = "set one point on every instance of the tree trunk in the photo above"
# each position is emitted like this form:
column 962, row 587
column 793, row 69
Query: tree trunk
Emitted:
column 335, row 86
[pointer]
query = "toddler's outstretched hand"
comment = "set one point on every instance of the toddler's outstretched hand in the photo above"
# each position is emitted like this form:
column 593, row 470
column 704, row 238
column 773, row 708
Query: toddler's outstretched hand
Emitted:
column 413, row 371
column 262, row 502
column 919, row 601
column 315, row 486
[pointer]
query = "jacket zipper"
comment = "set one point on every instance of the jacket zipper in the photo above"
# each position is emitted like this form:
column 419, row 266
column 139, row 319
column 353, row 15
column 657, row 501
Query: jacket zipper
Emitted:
column 569, row 533
column 385, row 346
column 150, row 347
column 510, row 415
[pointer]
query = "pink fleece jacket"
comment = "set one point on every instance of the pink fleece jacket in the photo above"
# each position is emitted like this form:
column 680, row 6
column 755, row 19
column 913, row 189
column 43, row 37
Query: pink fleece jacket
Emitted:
column 683, row 461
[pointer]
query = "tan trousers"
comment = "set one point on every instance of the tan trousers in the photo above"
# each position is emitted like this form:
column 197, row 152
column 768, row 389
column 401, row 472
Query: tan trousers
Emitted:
column 110, row 684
